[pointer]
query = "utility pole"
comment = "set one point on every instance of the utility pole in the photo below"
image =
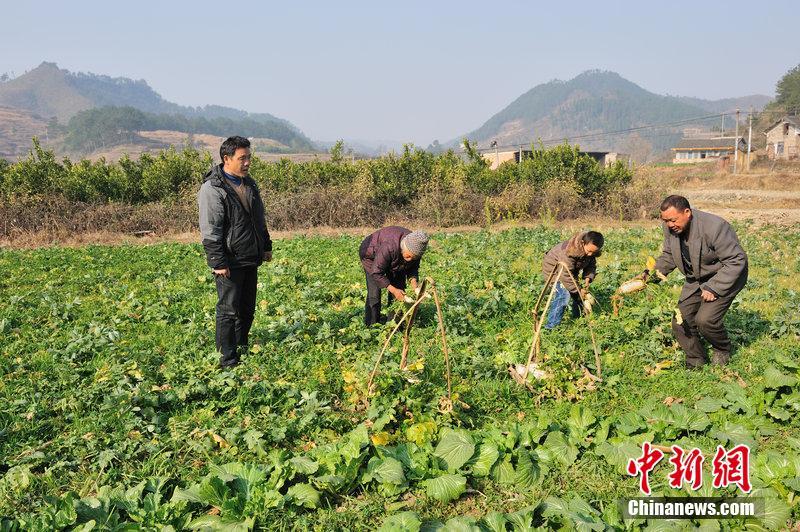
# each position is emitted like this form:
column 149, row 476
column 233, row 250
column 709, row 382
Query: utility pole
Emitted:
column 722, row 131
column 749, row 137
column 736, row 143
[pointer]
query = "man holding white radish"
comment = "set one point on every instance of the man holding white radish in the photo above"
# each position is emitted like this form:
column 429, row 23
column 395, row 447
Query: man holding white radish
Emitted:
column 705, row 248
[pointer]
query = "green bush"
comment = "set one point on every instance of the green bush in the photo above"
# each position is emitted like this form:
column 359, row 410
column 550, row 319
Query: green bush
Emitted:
column 4, row 166
column 394, row 181
column 172, row 171
column 85, row 180
column 36, row 175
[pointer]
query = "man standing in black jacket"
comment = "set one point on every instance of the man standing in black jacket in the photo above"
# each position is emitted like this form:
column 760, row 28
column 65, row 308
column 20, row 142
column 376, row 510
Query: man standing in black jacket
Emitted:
column 236, row 242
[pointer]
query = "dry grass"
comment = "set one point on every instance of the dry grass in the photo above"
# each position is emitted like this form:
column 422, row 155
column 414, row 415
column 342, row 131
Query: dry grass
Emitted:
column 762, row 175
column 39, row 240
column 765, row 198
column 155, row 141
column 767, row 194
column 325, row 209
column 17, row 127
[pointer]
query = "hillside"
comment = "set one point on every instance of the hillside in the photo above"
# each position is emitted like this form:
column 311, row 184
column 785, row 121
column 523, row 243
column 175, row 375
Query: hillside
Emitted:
column 593, row 103
column 17, row 127
column 48, row 91
column 756, row 101
column 153, row 142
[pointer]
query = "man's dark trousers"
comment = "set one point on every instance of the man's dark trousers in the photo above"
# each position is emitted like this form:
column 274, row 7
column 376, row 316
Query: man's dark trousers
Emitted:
column 704, row 318
column 236, row 306
column 372, row 306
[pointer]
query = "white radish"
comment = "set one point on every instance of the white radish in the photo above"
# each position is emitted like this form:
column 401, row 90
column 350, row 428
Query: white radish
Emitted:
column 634, row 285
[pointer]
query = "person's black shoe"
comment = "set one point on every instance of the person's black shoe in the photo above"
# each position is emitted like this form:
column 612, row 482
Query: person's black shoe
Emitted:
column 229, row 363
column 721, row 359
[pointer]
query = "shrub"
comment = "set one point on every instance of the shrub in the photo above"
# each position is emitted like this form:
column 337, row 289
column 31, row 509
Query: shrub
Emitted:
column 36, row 175
column 444, row 189
column 172, row 171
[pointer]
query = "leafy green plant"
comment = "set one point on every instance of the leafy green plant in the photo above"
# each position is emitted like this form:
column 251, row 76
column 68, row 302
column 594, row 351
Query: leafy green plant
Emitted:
column 113, row 412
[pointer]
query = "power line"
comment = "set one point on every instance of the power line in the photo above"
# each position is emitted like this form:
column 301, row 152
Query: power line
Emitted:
column 609, row 133
column 602, row 134
column 592, row 136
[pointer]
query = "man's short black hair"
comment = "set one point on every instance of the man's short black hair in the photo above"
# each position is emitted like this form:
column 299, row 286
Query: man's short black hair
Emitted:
column 230, row 146
column 593, row 237
column 679, row 202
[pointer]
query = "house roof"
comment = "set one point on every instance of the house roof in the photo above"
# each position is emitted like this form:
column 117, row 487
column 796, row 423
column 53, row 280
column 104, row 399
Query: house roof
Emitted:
column 706, row 144
column 793, row 120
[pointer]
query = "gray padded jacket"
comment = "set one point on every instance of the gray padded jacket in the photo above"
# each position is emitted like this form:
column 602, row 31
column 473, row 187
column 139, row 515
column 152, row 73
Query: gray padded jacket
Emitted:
column 232, row 236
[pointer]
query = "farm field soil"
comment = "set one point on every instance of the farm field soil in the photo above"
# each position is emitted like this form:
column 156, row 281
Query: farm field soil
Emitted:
column 113, row 411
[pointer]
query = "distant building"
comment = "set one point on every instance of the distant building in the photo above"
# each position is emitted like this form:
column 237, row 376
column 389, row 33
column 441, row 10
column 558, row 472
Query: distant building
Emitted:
column 496, row 158
column 696, row 132
column 697, row 150
column 783, row 138
column 607, row 158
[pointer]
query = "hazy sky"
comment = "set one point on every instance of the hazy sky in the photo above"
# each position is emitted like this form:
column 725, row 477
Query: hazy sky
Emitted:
column 403, row 71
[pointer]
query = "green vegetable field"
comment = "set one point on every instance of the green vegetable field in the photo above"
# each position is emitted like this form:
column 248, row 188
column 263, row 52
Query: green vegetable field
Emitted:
column 114, row 414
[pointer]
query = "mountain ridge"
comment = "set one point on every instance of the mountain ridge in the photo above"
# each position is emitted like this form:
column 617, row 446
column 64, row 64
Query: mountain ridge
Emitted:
column 49, row 91
column 595, row 103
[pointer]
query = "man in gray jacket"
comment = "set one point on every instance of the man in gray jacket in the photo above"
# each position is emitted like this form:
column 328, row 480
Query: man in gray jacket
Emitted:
column 236, row 242
column 705, row 248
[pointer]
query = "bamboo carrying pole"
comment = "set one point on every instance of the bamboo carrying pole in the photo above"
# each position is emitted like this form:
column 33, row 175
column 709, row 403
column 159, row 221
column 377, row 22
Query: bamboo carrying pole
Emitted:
column 535, row 312
column 408, row 319
column 444, row 340
column 406, row 335
column 538, row 329
column 389, row 339
column 589, row 323
column 533, row 353
column 541, row 294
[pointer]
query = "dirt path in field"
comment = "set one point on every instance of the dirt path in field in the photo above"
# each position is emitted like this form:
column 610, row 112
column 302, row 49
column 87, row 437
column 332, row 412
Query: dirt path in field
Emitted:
column 728, row 204
column 111, row 239
column 761, row 206
column 765, row 195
